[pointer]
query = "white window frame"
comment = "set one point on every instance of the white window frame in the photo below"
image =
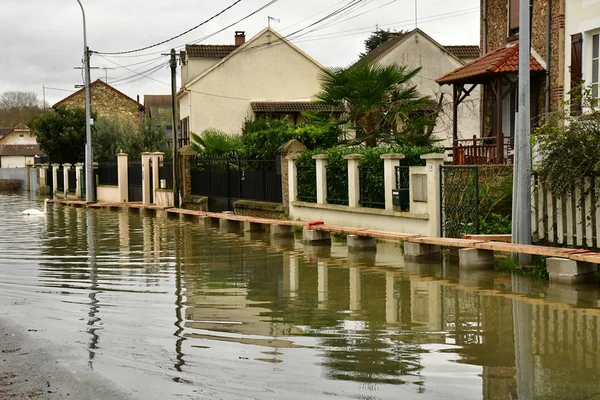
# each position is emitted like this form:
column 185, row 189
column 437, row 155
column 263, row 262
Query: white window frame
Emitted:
column 587, row 58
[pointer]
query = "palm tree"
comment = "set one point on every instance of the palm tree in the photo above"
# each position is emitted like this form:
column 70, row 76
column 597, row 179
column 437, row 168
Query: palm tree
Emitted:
column 215, row 143
column 378, row 99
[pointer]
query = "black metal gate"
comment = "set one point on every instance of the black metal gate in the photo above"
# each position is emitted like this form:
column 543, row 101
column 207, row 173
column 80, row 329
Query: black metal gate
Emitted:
column 50, row 179
column 459, row 187
column 134, row 177
column 151, row 175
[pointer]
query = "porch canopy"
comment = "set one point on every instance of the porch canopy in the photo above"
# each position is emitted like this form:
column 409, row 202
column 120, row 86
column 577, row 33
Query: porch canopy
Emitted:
column 497, row 68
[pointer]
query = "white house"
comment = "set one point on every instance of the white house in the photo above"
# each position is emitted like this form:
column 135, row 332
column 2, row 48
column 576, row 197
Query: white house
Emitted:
column 18, row 147
column 417, row 49
column 582, row 32
column 224, row 85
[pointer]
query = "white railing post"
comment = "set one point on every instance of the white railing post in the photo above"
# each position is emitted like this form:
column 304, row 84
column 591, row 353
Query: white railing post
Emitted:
column 123, row 176
column 66, row 168
column 390, row 162
column 433, row 163
column 55, row 178
column 321, row 171
column 78, row 168
column 353, row 179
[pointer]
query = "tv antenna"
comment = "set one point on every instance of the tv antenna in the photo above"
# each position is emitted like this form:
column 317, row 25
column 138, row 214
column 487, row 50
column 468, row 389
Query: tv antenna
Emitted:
column 272, row 18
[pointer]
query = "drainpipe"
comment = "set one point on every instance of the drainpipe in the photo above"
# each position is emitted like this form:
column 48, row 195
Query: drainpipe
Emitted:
column 484, row 51
column 485, row 27
column 548, row 57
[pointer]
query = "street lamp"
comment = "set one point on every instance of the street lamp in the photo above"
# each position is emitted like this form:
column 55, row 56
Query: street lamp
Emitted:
column 89, row 184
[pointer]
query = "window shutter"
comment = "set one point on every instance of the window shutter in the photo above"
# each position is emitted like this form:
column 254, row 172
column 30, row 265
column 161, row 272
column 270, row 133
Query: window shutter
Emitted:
column 513, row 16
column 576, row 73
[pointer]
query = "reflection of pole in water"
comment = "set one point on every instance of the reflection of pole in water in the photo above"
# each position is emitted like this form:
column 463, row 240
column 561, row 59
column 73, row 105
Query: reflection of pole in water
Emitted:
column 94, row 302
column 178, row 300
column 124, row 235
column 391, row 305
column 294, row 275
column 522, row 323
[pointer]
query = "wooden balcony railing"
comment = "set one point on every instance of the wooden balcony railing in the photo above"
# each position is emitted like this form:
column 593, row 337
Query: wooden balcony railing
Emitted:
column 481, row 151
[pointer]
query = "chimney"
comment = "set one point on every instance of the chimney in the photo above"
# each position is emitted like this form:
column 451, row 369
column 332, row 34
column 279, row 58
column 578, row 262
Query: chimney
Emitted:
column 240, row 38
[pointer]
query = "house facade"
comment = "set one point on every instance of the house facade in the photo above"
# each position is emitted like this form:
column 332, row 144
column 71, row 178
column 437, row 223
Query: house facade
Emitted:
column 106, row 101
column 158, row 111
column 417, row 49
column 582, row 39
column 225, row 85
column 18, row 147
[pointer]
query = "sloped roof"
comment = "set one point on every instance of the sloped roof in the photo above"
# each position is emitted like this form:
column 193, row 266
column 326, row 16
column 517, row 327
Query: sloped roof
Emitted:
column 20, row 150
column 464, row 51
column 209, row 50
column 5, row 131
column 157, row 100
column 21, row 126
column 97, row 82
column 291, row 106
column 500, row 61
column 386, row 46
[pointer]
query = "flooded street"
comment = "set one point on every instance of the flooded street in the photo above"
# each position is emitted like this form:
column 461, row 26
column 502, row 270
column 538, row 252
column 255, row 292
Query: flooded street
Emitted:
column 166, row 309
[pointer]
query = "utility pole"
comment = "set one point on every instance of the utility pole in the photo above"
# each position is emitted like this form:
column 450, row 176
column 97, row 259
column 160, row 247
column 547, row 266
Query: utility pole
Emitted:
column 521, row 231
column 173, row 63
column 44, row 96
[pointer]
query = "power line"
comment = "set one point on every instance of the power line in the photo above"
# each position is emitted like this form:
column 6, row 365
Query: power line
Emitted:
column 177, row 36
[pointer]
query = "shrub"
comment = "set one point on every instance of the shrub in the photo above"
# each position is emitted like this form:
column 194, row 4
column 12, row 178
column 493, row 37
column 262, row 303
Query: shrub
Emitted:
column 11, row 185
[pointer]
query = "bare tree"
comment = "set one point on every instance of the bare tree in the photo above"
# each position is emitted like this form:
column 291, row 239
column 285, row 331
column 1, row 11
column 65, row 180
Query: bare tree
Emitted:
column 19, row 107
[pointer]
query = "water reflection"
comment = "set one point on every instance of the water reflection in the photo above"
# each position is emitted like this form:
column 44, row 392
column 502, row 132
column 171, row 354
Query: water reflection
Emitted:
column 239, row 315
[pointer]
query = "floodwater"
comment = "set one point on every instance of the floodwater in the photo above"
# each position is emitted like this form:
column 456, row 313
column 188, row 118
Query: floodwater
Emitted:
column 166, row 309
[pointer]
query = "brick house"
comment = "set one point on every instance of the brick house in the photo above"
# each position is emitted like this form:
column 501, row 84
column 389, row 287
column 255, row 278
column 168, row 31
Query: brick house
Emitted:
column 497, row 72
column 18, row 147
column 106, row 101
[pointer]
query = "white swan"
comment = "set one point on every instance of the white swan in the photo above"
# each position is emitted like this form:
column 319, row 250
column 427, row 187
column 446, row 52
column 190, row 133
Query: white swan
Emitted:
column 35, row 211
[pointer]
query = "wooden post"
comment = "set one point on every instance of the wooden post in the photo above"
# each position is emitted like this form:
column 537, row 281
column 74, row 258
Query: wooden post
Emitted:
column 454, row 123
column 498, row 123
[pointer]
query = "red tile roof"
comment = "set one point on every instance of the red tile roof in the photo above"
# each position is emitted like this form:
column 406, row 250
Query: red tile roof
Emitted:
column 20, row 150
column 499, row 61
column 209, row 50
column 468, row 51
column 291, row 106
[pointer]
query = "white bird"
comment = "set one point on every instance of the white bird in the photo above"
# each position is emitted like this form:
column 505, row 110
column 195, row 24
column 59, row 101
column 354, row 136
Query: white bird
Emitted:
column 35, row 211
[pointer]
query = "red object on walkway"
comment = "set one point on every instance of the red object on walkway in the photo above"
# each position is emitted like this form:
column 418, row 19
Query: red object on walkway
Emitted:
column 313, row 223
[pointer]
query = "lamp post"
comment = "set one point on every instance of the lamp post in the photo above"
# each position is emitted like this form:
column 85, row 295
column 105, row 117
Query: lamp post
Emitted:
column 89, row 169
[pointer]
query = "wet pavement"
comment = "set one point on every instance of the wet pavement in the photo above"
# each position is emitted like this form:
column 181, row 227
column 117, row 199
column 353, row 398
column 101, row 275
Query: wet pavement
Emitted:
column 156, row 308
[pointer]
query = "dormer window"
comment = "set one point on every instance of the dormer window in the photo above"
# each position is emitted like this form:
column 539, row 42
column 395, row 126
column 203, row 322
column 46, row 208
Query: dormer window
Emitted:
column 513, row 17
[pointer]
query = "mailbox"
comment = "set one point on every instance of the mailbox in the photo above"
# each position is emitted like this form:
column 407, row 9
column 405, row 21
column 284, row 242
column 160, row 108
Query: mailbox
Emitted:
column 401, row 198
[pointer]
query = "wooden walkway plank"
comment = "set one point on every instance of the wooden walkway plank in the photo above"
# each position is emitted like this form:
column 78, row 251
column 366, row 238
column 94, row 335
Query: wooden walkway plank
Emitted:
column 490, row 238
column 525, row 249
column 451, row 242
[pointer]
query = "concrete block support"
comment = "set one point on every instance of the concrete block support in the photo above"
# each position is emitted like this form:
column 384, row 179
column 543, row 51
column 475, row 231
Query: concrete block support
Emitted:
column 253, row 227
column 475, row 259
column 390, row 162
column 361, row 243
column 413, row 251
column 321, row 171
column 433, row 163
column 282, row 231
column 66, row 168
column 54, row 177
column 562, row 270
column 353, row 179
column 122, row 166
column 316, row 238
column 229, row 225
column 78, row 181
column 146, row 177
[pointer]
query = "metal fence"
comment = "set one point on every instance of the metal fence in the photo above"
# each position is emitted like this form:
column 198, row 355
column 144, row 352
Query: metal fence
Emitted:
column 337, row 184
column 165, row 174
column 307, row 188
column 60, row 179
column 232, row 179
column 72, row 177
column 108, row 173
column 403, row 187
column 372, row 188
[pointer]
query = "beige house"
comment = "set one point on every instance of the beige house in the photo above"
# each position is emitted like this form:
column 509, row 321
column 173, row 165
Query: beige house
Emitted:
column 18, row 147
column 224, row 85
column 417, row 49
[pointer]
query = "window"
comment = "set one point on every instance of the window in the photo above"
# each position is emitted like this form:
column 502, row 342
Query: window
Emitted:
column 513, row 17
column 21, row 135
column 595, row 64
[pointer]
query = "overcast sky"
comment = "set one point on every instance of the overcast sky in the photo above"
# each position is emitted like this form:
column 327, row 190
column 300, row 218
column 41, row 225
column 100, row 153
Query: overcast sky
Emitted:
column 42, row 40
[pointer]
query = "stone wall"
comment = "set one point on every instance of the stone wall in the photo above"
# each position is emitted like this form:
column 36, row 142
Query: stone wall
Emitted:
column 107, row 102
column 259, row 209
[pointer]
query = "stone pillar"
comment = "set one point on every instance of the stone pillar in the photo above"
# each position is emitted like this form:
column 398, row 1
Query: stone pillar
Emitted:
column 361, row 243
column 475, row 258
column 390, row 162
column 321, row 171
column 434, row 161
column 157, row 157
column 43, row 178
column 78, row 168
column 54, row 177
column 316, row 238
column 277, row 230
column 563, row 270
column 292, row 177
column 353, row 179
column 185, row 172
column 66, row 168
column 123, row 169
column 420, row 251
column 146, row 177
column 293, row 146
